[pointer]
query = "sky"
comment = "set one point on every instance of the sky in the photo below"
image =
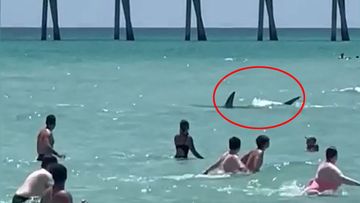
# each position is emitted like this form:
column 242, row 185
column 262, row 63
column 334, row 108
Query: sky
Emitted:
column 171, row 13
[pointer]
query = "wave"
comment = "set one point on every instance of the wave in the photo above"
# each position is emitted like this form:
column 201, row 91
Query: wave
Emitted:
column 347, row 89
column 70, row 105
column 195, row 176
column 256, row 102
column 298, row 105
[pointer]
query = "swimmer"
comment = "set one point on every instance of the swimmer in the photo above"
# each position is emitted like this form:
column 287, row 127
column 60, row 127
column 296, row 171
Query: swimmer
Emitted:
column 328, row 176
column 254, row 159
column 184, row 142
column 57, row 193
column 341, row 56
column 36, row 183
column 45, row 140
column 230, row 161
column 311, row 145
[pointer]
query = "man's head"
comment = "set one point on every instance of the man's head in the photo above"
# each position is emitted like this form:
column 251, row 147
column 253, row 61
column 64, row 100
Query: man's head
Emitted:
column 262, row 142
column 234, row 144
column 331, row 154
column 50, row 122
column 59, row 173
column 310, row 141
column 47, row 161
column 184, row 126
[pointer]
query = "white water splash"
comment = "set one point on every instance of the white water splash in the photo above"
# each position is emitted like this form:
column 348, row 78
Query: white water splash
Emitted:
column 290, row 190
column 191, row 176
column 287, row 189
column 264, row 103
column 229, row 59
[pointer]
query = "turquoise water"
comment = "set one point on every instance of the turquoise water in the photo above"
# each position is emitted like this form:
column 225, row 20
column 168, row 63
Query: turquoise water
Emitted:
column 118, row 106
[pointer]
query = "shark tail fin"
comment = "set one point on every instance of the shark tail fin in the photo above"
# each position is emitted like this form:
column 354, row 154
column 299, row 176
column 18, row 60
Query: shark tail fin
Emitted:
column 291, row 101
column 230, row 101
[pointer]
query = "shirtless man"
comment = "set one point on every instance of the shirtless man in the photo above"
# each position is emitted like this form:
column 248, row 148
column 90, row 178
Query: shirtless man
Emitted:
column 36, row 183
column 229, row 162
column 184, row 142
column 254, row 159
column 45, row 140
column 57, row 194
column 328, row 176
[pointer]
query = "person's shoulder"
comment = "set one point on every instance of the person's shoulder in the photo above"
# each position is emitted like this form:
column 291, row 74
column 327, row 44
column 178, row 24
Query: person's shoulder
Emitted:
column 232, row 157
column 44, row 132
column 259, row 152
column 62, row 197
column 44, row 174
column 255, row 152
column 333, row 167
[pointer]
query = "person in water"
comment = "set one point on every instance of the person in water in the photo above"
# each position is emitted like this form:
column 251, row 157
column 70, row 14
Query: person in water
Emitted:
column 57, row 193
column 230, row 161
column 311, row 145
column 342, row 56
column 254, row 159
column 36, row 183
column 328, row 176
column 45, row 140
column 184, row 142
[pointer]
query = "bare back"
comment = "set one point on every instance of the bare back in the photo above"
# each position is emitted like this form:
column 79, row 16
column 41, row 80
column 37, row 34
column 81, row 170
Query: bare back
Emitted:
column 233, row 164
column 253, row 160
column 36, row 184
column 53, row 196
column 182, row 146
column 328, row 175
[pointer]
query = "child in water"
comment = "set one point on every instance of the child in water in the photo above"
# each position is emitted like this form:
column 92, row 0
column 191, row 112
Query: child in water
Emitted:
column 311, row 145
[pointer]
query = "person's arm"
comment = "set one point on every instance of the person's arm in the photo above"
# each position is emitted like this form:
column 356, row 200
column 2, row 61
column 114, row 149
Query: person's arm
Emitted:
column 349, row 181
column 175, row 141
column 49, row 147
column 192, row 148
column 242, row 167
column 254, row 162
column 214, row 166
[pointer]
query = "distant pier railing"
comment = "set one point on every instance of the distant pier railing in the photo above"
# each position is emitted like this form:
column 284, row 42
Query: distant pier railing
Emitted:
column 344, row 28
column 129, row 29
column 272, row 27
column 201, row 33
column 55, row 19
column 199, row 22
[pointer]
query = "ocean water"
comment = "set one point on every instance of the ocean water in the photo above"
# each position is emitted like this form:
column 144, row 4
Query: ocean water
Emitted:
column 118, row 106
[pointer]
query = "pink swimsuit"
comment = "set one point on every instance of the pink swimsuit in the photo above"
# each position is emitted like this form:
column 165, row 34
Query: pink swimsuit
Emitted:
column 328, row 177
column 323, row 186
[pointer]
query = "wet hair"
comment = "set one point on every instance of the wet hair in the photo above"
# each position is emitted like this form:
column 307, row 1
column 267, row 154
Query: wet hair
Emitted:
column 184, row 125
column 331, row 152
column 234, row 143
column 50, row 120
column 58, row 172
column 311, row 139
column 261, row 141
column 46, row 161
